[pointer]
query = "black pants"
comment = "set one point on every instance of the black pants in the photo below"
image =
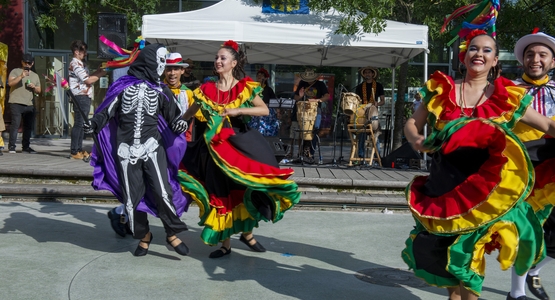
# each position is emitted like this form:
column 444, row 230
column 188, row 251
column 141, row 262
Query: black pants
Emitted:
column 77, row 132
column 139, row 176
column 27, row 113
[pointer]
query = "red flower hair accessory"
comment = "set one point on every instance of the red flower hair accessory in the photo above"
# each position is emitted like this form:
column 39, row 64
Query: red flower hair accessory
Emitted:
column 232, row 44
column 463, row 47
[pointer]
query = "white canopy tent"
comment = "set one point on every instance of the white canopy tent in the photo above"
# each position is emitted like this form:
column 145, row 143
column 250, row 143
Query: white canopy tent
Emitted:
column 287, row 39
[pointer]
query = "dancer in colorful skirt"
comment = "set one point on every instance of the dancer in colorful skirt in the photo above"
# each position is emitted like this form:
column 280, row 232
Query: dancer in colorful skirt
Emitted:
column 536, row 54
column 231, row 172
column 472, row 203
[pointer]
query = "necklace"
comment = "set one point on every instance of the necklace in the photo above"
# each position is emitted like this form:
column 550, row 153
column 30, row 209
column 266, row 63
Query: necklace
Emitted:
column 462, row 102
column 228, row 92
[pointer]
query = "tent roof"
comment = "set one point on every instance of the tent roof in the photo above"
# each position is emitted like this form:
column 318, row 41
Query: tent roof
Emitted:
column 282, row 38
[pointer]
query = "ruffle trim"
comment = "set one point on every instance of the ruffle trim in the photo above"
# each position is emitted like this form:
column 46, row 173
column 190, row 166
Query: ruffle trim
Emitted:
column 502, row 181
column 247, row 90
column 505, row 106
column 518, row 235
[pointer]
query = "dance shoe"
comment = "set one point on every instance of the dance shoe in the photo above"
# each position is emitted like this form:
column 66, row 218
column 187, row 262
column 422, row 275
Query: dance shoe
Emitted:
column 181, row 248
column 223, row 251
column 115, row 221
column 140, row 251
column 535, row 287
column 518, row 298
column 257, row 247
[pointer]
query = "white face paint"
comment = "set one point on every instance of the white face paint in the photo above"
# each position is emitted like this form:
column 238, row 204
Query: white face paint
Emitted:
column 161, row 59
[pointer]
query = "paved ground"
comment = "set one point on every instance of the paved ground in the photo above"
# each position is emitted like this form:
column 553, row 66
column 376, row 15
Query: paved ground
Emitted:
column 68, row 251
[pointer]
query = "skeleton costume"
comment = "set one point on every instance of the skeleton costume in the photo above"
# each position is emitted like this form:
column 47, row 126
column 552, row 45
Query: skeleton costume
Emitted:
column 136, row 140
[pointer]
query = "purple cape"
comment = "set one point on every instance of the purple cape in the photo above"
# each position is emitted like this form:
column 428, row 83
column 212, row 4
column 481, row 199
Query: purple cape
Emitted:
column 105, row 166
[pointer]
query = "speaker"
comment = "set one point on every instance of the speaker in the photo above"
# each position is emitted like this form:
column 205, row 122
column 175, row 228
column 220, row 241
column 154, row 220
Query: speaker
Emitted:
column 401, row 157
column 114, row 27
column 280, row 149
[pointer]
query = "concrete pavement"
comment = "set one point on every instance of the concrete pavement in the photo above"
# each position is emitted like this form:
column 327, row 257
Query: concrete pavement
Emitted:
column 53, row 250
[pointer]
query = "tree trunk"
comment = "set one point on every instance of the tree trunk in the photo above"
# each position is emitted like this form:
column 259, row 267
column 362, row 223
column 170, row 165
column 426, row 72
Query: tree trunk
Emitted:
column 400, row 106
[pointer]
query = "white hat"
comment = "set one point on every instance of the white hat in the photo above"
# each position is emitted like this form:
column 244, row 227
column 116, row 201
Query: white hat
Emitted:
column 175, row 60
column 527, row 40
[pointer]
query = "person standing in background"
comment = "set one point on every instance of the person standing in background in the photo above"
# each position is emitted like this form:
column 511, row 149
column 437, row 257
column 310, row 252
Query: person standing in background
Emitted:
column 370, row 92
column 188, row 78
column 80, row 83
column 24, row 84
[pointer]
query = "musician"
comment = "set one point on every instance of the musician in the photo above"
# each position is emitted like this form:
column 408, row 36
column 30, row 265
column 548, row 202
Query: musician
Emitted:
column 371, row 93
column 313, row 90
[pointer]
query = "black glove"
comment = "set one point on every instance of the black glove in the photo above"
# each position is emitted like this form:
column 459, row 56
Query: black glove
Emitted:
column 88, row 127
column 179, row 126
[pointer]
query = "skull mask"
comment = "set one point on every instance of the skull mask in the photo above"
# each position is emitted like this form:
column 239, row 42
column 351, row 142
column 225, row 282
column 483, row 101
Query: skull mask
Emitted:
column 161, row 60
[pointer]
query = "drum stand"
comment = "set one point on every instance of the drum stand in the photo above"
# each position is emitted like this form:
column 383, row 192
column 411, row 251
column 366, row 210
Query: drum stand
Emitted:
column 354, row 133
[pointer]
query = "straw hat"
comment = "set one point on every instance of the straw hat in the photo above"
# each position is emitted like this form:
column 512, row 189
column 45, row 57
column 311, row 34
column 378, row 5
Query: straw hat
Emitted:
column 309, row 75
column 374, row 70
column 527, row 40
column 175, row 60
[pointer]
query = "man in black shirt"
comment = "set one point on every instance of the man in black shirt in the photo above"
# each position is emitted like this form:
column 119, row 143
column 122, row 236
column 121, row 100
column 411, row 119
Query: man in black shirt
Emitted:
column 188, row 79
column 371, row 93
column 313, row 90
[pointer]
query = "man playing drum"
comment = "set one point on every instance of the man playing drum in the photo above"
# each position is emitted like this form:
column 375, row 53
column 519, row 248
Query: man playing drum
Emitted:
column 371, row 93
column 313, row 90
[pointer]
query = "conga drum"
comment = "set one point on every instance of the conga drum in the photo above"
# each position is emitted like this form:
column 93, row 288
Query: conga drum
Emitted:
column 364, row 114
column 350, row 102
column 306, row 117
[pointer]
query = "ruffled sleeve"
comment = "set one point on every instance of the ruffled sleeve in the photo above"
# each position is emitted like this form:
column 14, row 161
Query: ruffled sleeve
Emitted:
column 505, row 106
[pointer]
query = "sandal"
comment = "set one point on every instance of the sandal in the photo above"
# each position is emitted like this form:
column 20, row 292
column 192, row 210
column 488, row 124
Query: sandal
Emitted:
column 223, row 251
column 257, row 247
column 140, row 251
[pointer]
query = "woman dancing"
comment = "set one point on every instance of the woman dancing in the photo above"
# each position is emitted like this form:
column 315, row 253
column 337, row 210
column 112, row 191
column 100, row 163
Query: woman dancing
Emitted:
column 473, row 200
column 231, row 172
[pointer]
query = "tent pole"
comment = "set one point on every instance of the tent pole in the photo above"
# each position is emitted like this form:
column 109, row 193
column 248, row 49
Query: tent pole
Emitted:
column 426, row 126
column 392, row 110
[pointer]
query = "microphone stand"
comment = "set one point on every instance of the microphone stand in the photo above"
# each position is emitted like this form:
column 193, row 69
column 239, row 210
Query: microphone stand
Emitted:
column 335, row 162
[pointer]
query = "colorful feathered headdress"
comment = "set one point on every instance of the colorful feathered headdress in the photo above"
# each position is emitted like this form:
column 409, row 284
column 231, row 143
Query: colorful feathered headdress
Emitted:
column 125, row 57
column 480, row 19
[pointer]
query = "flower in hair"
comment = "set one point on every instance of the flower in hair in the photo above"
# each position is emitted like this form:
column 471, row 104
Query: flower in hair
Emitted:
column 464, row 45
column 232, row 44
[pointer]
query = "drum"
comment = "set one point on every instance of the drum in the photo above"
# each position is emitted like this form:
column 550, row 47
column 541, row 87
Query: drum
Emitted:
column 365, row 114
column 350, row 103
column 306, row 117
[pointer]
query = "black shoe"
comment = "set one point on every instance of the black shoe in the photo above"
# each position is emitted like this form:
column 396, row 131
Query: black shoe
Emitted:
column 535, row 287
column 519, row 298
column 29, row 150
column 223, row 251
column 180, row 249
column 12, row 150
column 1, row 153
column 115, row 221
column 140, row 251
column 257, row 247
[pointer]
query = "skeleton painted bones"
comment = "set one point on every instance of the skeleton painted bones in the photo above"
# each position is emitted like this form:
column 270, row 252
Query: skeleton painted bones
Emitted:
column 141, row 109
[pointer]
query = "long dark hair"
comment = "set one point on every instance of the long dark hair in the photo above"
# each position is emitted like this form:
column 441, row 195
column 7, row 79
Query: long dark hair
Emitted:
column 238, row 71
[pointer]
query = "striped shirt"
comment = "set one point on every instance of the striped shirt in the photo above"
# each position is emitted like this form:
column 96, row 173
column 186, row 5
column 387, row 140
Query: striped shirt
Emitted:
column 78, row 73
column 544, row 97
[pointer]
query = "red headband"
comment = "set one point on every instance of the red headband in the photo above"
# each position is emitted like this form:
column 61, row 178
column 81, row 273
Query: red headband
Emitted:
column 263, row 71
column 232, row 44
column 464, row 45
